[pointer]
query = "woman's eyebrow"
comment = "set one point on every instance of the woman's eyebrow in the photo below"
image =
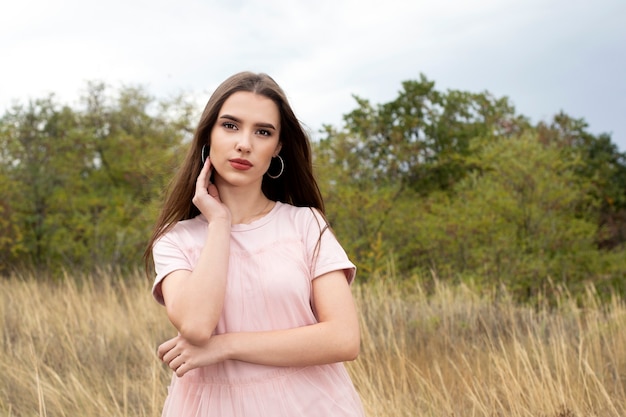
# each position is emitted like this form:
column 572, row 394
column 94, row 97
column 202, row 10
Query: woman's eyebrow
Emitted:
column 229, row 117
column 258, row 124
column 265, row 125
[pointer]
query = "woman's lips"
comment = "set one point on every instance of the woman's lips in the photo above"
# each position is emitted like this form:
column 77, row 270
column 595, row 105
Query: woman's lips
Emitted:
column 240, row 164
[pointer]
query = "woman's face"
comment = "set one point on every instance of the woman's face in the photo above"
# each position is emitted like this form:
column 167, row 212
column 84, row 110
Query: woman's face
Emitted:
column 244, row 139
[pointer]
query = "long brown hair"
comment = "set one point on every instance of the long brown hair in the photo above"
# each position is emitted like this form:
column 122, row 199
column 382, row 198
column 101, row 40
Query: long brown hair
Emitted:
column 296, row 185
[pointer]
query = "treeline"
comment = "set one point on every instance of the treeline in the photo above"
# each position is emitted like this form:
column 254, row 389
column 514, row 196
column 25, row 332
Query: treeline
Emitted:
column 450, row 183
column 80, row 185
column 458, row 185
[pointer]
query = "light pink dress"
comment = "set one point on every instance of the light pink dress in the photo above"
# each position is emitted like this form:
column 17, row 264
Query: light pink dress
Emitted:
column 272, row 264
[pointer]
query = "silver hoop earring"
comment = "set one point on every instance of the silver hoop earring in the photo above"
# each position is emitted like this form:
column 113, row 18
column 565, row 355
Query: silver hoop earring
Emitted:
column 282, row 168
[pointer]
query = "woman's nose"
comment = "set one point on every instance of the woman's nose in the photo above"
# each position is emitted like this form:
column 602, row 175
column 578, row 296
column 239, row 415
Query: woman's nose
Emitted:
column 243, row 143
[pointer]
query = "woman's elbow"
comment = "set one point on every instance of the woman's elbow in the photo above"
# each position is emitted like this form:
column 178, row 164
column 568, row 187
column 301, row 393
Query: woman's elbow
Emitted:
column 195, row 332
column 351, row 346
column 195, row 335
column 355, row 350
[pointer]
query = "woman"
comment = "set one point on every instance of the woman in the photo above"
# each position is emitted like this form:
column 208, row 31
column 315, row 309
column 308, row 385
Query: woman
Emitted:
column 251, row 277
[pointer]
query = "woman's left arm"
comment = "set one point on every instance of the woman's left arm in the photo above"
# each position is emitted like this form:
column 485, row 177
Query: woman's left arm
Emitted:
column 335, row 338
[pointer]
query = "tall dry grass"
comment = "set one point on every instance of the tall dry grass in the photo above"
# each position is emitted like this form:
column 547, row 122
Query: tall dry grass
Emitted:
column 86, row 347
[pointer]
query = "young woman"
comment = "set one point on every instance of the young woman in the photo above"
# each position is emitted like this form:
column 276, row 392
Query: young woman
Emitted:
column 250, row 274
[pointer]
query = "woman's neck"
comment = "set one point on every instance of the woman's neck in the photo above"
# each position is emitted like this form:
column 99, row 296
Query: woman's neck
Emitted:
column 245, row 206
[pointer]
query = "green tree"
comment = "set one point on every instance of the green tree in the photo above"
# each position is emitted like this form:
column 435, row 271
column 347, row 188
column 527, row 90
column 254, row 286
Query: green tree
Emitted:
column 604, row 165
column 11, row 241
column 384, row 158
column 136, row 144
column 526, row 219
column 82, row 183
column 459, row 183
column 37, row 155
column 422, row 137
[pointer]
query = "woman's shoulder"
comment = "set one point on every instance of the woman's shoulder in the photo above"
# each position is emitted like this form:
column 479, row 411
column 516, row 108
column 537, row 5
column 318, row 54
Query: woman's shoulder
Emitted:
column 302, row 219
column 298, row 213
column 185, row 228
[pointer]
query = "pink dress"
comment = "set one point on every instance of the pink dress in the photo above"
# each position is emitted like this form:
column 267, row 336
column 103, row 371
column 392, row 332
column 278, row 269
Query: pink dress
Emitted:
column 273, row 261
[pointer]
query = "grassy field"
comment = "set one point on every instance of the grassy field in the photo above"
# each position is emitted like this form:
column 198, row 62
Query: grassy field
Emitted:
column 86, row 347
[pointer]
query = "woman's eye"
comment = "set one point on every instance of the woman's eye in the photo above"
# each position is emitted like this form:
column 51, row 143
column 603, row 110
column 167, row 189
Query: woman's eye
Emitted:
column 229, row 125
column 264, row 132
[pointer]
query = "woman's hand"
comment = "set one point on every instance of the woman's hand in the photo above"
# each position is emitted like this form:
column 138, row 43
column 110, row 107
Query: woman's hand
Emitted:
column 207, row 197
column 194, row 299
column 182, row 356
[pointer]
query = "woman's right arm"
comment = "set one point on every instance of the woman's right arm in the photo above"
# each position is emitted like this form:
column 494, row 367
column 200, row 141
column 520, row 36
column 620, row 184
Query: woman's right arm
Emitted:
column 194, row 299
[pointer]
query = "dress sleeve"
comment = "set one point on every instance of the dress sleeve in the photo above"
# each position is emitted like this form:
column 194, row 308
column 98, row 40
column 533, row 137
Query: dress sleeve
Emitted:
column 168, row 257
column 325, row 253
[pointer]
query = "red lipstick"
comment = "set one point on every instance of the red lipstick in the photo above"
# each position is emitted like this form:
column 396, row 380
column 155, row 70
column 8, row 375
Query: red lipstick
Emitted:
column 240, row 164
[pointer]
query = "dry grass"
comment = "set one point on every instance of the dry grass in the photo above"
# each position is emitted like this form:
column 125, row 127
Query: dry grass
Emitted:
column 87, row 349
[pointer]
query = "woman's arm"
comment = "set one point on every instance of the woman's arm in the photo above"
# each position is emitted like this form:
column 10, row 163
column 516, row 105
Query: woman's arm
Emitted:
column 335, row 338
column 194, row 299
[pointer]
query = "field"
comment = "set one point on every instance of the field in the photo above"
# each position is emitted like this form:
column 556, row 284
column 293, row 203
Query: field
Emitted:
column 85, row 346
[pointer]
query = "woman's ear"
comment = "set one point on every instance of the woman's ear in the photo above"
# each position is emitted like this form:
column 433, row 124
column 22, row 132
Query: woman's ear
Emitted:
column 278, row 148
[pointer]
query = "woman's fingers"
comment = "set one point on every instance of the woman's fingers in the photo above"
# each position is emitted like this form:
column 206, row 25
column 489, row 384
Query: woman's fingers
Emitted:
column 181, row 356
column 176, row 363
column 213, row 192
column 203, row 186
column 207, row 198
column 203, row 183
column 166, row 347
column 204, row 177
column 172, row 353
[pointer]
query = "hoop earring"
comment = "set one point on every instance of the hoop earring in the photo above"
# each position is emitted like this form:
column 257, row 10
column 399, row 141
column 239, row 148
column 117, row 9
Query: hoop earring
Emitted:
column 205, row 153
column 282, row 168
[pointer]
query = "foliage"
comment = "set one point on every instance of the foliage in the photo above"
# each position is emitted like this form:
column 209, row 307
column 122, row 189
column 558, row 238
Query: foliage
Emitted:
column 451, row 182
column 80, row 184
column 458, row 183
column 524, row 219
column 604, row 165
column 420, row 138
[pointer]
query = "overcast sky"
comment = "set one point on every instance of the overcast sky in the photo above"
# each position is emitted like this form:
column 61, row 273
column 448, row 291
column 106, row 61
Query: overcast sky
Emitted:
column 545, row 55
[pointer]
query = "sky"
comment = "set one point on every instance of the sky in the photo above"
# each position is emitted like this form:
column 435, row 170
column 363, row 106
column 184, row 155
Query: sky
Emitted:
column 546, row 56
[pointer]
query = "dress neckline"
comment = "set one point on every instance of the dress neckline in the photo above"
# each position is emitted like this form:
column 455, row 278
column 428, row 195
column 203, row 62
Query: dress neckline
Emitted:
column 255, row 224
